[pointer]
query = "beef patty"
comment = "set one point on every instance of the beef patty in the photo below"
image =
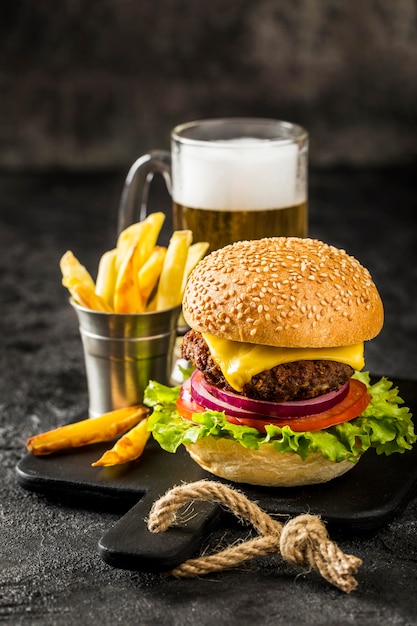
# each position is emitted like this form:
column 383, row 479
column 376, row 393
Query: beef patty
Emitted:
column 298, row 380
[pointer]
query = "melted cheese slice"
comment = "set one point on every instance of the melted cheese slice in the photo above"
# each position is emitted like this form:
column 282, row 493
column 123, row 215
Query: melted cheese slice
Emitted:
column 240, row 361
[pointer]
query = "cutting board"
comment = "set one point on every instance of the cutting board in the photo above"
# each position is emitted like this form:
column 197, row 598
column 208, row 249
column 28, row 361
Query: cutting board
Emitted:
column 368, row 496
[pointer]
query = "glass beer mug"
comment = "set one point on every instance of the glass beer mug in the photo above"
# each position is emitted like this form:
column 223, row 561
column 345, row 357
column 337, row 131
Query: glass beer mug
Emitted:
column 230, row 179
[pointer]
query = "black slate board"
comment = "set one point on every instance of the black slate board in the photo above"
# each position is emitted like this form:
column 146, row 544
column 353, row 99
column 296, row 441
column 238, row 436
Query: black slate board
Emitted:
column 368, row 496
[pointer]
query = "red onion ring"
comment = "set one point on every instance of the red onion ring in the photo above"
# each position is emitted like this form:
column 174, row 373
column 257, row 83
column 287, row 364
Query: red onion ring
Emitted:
column 192, row 389
column 239, row 406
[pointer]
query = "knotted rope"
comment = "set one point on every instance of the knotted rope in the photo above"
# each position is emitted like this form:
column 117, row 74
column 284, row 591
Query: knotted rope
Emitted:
column 303, row 541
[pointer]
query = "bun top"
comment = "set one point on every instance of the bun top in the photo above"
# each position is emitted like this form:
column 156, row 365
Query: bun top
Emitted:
column 283, row 291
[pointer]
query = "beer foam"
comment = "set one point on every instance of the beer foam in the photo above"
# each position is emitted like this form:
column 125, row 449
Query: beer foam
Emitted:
column 238, row 174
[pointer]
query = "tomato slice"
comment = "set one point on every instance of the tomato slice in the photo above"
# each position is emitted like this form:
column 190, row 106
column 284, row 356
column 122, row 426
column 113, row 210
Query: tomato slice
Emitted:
column 355, row 402
column 186, row 408
column 350, row 407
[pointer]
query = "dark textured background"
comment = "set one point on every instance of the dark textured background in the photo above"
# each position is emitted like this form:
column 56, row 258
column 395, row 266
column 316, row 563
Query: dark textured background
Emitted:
column 85, row 87
column 92, row 84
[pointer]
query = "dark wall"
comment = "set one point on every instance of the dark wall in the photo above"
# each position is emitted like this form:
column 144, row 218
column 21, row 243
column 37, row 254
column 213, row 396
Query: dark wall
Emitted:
column 91, row 84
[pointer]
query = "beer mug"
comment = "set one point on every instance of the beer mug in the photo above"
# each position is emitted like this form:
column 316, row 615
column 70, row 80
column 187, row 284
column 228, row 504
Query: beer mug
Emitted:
column 230, row 179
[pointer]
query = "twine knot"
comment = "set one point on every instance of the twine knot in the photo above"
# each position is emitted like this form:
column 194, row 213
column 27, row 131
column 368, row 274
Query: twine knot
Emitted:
column 302, row 541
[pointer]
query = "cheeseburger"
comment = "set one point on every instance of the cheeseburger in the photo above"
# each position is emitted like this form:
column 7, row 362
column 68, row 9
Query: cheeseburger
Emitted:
column 277, row 395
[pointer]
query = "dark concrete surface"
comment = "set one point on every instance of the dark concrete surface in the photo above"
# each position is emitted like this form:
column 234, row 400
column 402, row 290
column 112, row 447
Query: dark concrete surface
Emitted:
column 50, row 569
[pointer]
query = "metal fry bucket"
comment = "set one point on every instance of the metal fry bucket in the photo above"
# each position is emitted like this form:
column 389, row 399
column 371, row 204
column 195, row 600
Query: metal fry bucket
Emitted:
column 123, row 352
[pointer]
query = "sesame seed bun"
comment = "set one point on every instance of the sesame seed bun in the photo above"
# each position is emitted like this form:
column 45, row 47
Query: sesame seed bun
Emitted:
column 266, row 467
column 285, row 292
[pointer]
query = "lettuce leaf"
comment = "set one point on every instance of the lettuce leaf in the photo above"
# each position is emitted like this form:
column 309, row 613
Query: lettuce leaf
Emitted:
column 384, row 425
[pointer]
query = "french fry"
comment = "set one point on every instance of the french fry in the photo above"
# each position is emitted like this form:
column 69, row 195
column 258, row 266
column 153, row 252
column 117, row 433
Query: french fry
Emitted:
column 195, row 253
column 169, row 292
column 103, row 428
column 134, row 246
column 106, row 276
column 151, row 305
column 127, row 448
column 83, row 295
column 143, row 235
column 147, row 241
column 70, row 266
column 80, row 284
column 126, row 298
column 128, row 238
column 150, row 271
column 137, row 275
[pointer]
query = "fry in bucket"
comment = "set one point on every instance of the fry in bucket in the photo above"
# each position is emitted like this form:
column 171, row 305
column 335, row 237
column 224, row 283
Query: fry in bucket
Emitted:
column 106, row 276
column 150, row 271
column 127, row 298
column 138, row 275
column 195, row 254
column 80, row 284
column 170, row 282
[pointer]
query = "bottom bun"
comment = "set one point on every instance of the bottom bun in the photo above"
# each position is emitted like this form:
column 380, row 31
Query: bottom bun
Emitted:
column 265, row 467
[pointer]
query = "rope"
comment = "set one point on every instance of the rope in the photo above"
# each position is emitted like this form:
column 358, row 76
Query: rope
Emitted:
column 302, row 541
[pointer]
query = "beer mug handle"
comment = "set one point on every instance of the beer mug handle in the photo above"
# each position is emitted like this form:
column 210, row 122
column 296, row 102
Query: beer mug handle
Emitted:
column 136, row 188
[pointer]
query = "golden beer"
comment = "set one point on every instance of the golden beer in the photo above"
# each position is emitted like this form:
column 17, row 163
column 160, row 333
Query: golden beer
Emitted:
column 221, row 227
column 230, row 179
